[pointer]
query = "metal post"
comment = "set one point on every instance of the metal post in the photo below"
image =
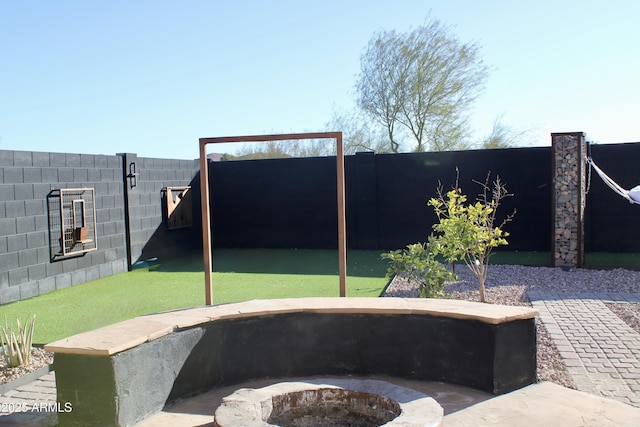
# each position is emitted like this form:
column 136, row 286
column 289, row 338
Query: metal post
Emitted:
column 206, row 216
column 206, row 223
column 342, row 221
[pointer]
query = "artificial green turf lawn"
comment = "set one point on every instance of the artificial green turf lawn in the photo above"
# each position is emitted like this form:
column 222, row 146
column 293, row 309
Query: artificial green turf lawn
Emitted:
column 239, row 275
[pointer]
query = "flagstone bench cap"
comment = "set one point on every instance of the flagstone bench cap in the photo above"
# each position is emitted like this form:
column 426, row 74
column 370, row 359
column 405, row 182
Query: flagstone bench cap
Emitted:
column 130, row 333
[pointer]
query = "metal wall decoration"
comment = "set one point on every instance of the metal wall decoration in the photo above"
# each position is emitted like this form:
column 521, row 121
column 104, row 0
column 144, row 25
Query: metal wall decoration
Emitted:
column 177, row 209
column 72, row 222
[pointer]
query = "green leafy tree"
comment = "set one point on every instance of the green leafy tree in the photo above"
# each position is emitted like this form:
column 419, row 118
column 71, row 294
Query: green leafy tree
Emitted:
column 283, row 149
column 467, row 231
column 417, row 264
column 357, row 133
column 421, row 84
column 502, row 136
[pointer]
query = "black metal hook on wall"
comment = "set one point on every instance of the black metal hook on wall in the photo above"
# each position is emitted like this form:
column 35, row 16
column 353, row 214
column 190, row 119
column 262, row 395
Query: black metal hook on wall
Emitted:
column 133, row 175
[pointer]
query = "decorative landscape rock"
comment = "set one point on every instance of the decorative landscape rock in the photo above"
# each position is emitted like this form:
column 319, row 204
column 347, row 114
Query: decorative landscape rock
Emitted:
column 569, row 183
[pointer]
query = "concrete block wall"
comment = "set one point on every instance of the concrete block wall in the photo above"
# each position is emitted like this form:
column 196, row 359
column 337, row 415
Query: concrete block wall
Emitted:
column 129, row 224
column 26, row 179
column 148, row 236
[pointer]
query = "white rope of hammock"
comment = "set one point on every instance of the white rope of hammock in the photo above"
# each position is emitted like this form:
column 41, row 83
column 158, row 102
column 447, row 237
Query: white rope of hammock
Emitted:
column 633, row 195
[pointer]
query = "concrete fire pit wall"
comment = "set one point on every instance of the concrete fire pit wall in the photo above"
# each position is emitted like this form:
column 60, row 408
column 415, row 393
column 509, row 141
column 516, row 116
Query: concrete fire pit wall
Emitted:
column 121, row 374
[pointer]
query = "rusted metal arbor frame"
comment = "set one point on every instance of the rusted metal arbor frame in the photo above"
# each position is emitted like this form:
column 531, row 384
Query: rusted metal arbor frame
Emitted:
column 206, row 214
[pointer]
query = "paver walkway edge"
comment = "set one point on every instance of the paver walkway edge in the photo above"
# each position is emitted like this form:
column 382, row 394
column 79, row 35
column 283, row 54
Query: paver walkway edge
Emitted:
column 601, row 352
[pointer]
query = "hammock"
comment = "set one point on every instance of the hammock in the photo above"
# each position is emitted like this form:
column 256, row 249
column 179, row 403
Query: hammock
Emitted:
column 633, row 195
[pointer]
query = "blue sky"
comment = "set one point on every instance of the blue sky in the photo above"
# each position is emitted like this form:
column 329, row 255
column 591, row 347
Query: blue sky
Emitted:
column 151, row 77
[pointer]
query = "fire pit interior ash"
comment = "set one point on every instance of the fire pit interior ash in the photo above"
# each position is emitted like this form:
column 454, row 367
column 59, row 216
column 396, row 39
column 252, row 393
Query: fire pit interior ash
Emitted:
column 329, row 403
column 332, row 407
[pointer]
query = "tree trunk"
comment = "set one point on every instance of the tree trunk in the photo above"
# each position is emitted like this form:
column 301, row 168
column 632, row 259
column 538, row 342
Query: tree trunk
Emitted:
column 481, row 280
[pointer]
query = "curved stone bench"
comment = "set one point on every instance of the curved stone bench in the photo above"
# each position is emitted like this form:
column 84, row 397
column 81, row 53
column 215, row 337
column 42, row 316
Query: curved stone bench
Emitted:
column 122, row 373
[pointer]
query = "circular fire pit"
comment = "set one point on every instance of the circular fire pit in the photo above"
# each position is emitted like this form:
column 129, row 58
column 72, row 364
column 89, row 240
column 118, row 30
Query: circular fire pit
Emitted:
column 332, row 407
column 329, row 403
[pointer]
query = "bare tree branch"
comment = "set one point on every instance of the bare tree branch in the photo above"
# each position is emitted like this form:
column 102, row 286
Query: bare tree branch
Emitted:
column 423, row 80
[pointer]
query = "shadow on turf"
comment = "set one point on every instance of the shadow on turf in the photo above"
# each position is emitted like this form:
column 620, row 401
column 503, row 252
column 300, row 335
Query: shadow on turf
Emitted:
column 277, row 261
column 359, row 263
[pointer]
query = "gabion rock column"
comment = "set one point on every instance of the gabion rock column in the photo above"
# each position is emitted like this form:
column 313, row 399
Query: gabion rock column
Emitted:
column 569, row 181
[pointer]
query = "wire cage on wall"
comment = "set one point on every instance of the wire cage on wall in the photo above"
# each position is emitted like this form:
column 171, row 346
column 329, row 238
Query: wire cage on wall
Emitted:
column 72, row 222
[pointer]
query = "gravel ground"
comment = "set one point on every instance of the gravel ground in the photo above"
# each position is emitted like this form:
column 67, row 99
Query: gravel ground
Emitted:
column 508, row 284
column 629, row 313
column 39, row 358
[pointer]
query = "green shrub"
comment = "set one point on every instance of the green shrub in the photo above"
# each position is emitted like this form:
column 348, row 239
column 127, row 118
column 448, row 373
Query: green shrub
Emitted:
column 17, row 344
column 417, row 263
column 467, row 231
